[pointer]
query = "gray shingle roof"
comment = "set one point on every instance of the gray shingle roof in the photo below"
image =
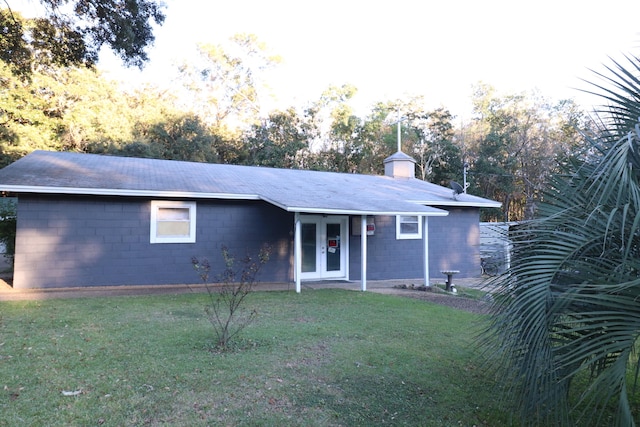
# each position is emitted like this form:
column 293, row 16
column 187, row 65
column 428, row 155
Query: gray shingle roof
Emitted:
column 292, row 190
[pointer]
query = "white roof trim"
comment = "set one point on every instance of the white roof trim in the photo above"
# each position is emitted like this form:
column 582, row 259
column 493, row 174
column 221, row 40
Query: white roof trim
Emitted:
column 439, row 212
column 460, row 203
column 122, row 192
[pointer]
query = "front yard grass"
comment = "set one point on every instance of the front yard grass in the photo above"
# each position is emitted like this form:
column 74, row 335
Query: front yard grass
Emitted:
column 321, row 358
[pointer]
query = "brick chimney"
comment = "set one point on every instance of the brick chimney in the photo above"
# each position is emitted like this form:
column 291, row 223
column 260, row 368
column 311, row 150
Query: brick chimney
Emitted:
column 400, row 165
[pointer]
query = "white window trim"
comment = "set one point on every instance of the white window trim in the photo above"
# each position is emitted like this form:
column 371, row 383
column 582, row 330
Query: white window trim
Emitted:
column 158, row 204
column 407, row 236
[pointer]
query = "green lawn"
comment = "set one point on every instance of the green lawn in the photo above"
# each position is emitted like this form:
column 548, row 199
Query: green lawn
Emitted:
column 324, row 357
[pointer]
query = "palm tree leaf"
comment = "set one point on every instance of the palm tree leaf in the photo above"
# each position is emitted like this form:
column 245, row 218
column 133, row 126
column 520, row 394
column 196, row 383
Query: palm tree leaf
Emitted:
column 568, row 308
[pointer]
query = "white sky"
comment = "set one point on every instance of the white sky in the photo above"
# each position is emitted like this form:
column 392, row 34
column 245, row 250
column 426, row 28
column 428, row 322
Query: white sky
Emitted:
column 391, row 49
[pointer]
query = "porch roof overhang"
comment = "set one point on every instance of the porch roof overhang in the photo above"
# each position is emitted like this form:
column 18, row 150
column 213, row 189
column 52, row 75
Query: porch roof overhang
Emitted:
column 469, row 202
column 451, row 200
column 361, row 207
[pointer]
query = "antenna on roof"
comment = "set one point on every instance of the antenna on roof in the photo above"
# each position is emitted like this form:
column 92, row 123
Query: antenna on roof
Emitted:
column 465, row 185
column 457, row 189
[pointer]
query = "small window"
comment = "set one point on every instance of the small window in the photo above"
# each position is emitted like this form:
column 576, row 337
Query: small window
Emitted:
column 173, row 222
column 408, row 227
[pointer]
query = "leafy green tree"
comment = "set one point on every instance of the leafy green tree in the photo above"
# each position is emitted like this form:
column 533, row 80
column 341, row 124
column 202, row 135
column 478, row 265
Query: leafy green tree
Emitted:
column 30, row 115
column 377, row 138
column 96, row 111
column 335, row 146
column 183, row 136
column 225, row 87
column 53, row 110
column 174, row 136
column 279, row 141
column 564, row 326
column 516, row 143
column 429, row 138
column 360, row 145
column 71, row 33
column 145, row 125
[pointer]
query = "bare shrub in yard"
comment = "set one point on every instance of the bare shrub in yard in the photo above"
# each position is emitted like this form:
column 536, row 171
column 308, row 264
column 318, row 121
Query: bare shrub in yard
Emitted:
column 226, row 307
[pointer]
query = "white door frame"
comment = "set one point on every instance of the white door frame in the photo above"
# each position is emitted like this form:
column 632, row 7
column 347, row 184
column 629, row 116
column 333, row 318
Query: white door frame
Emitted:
column 323, row 246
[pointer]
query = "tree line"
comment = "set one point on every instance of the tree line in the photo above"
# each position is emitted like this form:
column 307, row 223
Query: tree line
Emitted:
column 510, row 147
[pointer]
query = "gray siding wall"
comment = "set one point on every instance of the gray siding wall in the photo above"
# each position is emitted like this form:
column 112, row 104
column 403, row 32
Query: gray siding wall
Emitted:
column 80, row 241
column 454, row 242
column 453, row 245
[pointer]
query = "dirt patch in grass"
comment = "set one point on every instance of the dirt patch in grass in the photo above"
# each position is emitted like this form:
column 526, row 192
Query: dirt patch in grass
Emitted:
column 438, row 296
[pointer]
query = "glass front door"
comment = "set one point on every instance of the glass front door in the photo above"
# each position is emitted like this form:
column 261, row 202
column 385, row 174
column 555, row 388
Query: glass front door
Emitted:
column 324, row 246
column 309, row 245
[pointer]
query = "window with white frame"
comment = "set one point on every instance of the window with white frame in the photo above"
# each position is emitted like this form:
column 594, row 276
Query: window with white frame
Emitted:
column 173, row 222
column 408, row 227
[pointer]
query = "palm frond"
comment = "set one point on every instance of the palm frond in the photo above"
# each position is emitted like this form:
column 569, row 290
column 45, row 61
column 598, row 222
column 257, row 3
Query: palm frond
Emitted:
column 569, row 306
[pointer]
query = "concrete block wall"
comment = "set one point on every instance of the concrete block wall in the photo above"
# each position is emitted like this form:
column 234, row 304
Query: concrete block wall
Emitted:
column 387, row 257
column 66, row 241
column 453, row 245
column 79, row 241
column 454, row 242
